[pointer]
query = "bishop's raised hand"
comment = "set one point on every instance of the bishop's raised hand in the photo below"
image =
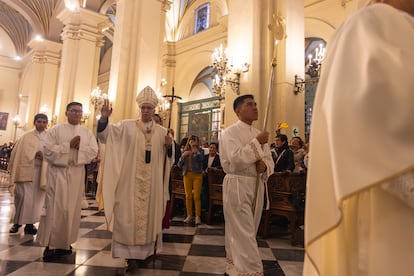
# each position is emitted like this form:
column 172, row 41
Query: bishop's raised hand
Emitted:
column 106, row 109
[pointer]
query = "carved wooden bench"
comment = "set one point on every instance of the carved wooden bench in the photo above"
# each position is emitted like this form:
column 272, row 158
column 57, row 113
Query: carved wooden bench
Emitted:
column 287, row 198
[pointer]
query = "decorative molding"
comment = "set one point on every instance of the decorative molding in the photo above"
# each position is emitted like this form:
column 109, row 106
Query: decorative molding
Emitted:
column 165, row 5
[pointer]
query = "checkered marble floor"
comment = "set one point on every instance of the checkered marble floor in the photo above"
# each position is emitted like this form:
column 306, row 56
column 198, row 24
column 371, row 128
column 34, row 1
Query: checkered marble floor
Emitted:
column 187, row 250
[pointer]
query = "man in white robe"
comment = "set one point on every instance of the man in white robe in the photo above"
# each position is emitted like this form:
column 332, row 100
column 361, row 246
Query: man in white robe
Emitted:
column 68, row 147
column 359, row 204
column 27, row 176
column 135, row 180
column 246, row 159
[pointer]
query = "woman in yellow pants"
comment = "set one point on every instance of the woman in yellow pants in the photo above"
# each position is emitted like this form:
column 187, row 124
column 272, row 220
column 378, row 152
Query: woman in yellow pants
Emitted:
column 191, row 162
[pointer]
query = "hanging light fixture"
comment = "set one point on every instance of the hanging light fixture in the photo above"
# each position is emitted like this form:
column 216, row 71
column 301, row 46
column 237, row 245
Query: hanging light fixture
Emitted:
column 223, row 72
column 97, row 97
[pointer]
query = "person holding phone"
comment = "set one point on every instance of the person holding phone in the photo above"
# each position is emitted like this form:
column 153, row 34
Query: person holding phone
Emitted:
column 191, row 162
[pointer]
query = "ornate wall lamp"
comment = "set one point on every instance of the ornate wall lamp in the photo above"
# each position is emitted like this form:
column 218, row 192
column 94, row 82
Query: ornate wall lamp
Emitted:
column 223, row 72
column 313, row 70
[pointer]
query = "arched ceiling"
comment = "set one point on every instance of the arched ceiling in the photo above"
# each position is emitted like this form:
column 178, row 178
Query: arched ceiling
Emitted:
column 16, row 26
column 22, row 20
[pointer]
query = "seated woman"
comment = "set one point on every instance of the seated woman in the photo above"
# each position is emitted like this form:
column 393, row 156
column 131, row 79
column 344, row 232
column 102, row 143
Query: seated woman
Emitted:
column 191, row 162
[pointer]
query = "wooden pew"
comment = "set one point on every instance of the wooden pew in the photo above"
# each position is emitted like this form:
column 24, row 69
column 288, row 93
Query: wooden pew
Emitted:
column 177, row 186
column 215, row 186
column 287, row 198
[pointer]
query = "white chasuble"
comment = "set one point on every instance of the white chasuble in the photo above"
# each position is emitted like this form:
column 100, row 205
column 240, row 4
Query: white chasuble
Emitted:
column 134, row 192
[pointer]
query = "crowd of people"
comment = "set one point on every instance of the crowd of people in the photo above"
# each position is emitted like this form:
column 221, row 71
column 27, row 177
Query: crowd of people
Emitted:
column 5, row 153
column 49, row 168
column 366, row 207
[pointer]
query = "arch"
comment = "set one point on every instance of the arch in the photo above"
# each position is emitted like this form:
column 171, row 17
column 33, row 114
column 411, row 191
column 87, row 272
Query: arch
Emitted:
column 316, row 27
column 200, row 91
column 31, row 20
column 106, row 5
column 203, row 77
column 193, row 71
column 218, row 9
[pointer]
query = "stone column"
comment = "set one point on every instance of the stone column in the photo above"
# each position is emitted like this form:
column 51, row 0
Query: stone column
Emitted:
column 249, row 40
column 136, row 54
column 82, row 39
column 43, row 73
column 168, row 72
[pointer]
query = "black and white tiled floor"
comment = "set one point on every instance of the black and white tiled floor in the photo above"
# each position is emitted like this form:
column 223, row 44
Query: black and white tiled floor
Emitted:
column 188, row 250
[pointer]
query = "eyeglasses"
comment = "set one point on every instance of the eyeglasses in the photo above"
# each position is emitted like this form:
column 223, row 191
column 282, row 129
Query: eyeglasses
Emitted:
column 74, row 111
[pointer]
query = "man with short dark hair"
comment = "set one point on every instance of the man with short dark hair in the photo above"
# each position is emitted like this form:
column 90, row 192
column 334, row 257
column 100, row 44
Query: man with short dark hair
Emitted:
column 283, row 155
column 27, row 176
column 245, row 157
column 68, row 147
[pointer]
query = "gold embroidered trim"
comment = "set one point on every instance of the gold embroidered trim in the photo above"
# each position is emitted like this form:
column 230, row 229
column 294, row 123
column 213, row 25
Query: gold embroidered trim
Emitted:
column 256, row 152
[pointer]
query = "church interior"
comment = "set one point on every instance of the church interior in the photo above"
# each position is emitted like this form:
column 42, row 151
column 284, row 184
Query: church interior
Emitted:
column 198, row 55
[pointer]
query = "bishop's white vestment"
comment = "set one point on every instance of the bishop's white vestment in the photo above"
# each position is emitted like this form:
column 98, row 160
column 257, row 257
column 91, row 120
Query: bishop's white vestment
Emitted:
column 135, row 192
column 27, row 177
column 361, row 169
column 60, row 219
column 243, row 195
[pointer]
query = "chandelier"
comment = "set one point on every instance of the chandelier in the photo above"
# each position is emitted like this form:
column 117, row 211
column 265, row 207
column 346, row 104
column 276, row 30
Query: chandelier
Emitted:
column 221, row 70
column 97, row 97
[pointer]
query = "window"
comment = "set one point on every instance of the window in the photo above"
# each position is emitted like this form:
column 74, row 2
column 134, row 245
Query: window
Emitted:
column 202, row 18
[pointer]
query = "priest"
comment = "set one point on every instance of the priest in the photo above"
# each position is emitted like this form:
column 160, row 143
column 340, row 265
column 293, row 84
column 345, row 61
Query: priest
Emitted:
column 136, row 170
column 28, row 176
column 67, row 148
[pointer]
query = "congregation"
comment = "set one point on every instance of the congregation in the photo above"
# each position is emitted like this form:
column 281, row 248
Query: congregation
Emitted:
column 196, row 159
column 146, row 157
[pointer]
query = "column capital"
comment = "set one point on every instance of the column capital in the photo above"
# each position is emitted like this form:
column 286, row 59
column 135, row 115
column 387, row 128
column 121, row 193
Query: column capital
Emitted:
column 83, row 16
column 45, row 51
column 83, row 23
